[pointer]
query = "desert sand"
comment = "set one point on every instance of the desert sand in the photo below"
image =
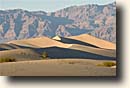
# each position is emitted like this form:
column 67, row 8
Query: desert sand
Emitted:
column 57, row 67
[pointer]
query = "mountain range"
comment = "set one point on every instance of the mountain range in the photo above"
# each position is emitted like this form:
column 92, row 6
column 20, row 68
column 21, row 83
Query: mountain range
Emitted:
column 95, row 20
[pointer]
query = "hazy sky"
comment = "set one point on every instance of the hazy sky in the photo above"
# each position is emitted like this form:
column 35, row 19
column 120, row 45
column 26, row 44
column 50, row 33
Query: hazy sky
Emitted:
column 47, row 5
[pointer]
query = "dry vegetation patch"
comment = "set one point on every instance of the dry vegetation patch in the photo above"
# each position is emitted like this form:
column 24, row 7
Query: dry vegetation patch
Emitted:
column 2, row 60
column 107, row 64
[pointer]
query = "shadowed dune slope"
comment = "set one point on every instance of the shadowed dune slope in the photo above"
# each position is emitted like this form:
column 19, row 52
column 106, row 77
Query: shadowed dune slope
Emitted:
column 74, row 51
column 99, row 51
column 57, row 52
column 74, row 41
column 5, row 46
column 20, row 54
column 94, row 41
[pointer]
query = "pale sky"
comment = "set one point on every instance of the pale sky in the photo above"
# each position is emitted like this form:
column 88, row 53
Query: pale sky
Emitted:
column 47, row 5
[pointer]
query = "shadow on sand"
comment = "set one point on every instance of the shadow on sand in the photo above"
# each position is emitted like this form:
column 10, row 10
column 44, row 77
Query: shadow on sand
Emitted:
column 73, row 41
column 62, row 53
column 57, row 52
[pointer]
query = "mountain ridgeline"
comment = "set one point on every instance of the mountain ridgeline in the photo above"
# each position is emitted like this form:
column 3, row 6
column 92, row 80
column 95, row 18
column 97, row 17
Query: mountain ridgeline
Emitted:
column 96, row 20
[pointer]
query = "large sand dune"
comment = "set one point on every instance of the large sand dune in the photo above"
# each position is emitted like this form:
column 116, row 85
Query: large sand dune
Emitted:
column 94, row 41
column 39, row 42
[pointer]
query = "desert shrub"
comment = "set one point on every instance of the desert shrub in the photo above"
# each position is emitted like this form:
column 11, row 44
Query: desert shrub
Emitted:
column 107, row 64
column 71, row 62
column 44, row 55
column 7, row 60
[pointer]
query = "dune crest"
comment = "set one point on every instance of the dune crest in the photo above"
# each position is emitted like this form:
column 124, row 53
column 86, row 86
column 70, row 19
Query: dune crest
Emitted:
column 94, row 41
column 40, row 42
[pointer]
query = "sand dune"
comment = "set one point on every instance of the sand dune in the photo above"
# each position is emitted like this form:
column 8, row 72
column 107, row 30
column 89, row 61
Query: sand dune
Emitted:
column 94, row 41
column 20, row 54
column 39, row 42
column 66, row 48
column 75, row 51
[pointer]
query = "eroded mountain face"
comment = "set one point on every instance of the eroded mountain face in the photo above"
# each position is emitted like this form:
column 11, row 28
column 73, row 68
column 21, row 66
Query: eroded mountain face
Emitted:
column 99, row 21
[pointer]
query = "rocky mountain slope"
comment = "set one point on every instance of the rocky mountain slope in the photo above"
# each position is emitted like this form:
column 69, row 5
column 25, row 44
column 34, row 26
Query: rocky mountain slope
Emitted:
column 97, row 20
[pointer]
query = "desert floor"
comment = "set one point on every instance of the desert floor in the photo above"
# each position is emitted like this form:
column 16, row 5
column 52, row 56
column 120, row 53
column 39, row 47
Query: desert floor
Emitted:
column 57, row 67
